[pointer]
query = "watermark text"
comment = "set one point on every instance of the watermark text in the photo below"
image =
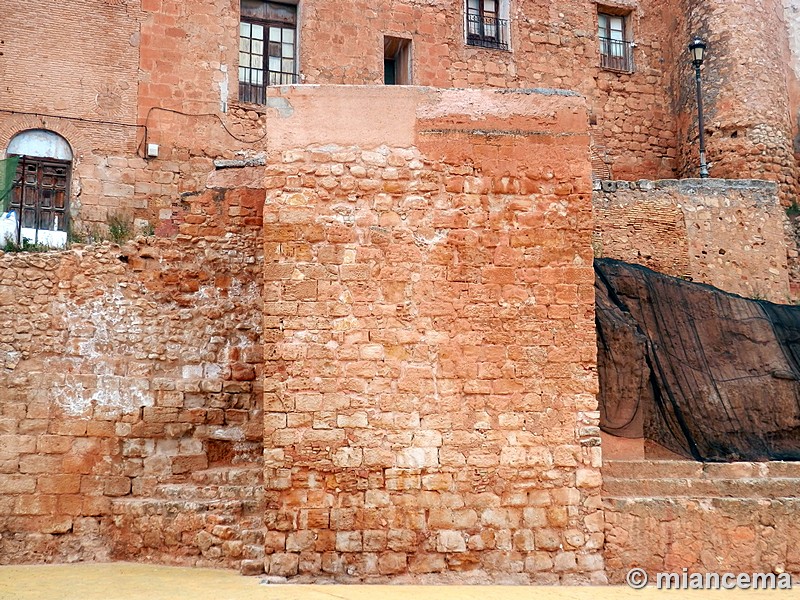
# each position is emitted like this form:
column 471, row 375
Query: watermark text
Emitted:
column 684, row 580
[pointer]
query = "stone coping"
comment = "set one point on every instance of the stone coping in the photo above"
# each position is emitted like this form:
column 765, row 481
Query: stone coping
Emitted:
column 689, row 186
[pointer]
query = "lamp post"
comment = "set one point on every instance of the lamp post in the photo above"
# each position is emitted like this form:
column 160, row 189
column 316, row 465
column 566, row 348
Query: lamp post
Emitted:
column 698, row 51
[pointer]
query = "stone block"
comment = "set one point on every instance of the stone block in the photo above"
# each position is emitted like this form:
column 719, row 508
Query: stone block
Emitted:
column 450, row 541
column 283, row 564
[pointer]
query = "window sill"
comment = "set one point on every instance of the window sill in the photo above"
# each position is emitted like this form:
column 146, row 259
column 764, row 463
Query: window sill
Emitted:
column 618, row 71
column 253, row 106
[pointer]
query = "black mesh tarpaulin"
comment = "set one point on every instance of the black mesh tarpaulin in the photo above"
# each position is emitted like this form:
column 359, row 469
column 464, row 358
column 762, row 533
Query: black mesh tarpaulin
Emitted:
column 707, row 374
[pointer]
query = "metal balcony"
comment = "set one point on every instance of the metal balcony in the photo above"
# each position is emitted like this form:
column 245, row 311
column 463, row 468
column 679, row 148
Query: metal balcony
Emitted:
column 616, row 55
column 487, row 32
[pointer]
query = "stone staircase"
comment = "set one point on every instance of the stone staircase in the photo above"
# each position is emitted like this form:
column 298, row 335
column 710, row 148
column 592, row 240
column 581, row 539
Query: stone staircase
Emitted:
column 210, row 518
column 687, row 479
column 665, row 515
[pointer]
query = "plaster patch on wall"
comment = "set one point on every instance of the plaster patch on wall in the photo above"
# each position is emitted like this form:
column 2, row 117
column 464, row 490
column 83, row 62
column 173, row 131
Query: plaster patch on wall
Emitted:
column 427, row 241
column 95, row 345
column 792, row 16
column 475, row 102
column 110, row 392
column 282, row 105
column 223, row 89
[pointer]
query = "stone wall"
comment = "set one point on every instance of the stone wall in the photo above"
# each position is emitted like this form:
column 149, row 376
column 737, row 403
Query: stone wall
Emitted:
column 728, row 233
column 792, row 17
column 129, row 381
column 430, row 378
column 553, row 44
column 666, row 516
column 130, row 394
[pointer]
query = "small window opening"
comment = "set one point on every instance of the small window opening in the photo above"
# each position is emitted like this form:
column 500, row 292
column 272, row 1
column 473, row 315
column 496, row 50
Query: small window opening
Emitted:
column 396, row 61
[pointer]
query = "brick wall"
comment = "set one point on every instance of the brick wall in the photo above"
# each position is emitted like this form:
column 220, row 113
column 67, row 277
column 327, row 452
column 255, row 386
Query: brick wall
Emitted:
column 728, row 233
column 130, row 66
column 92, row 87
column 130, row 380
column 430, row 377
column 189, row 52
column 97, row 77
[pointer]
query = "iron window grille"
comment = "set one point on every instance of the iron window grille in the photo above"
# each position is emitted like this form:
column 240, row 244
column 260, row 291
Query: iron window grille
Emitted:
column 484, row 27
column 267, row 48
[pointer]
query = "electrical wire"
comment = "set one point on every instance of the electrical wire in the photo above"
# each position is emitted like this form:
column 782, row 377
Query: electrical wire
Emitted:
column 82, row 119
column 214, row 115
column 145, row 126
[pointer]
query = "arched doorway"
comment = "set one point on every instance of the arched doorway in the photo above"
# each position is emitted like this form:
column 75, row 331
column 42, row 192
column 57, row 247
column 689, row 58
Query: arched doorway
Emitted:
column 40, row 195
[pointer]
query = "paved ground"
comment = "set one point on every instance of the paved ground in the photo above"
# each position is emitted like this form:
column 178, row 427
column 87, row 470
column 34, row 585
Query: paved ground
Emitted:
column 145, row 582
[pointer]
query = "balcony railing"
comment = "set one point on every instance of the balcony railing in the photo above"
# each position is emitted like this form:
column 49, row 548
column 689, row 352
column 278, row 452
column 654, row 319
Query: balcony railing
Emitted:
column 487, row 32
column 256, row 93
column 616, row 55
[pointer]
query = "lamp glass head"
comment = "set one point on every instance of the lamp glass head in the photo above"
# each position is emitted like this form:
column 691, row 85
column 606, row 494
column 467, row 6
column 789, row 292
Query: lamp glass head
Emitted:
column 698, row 50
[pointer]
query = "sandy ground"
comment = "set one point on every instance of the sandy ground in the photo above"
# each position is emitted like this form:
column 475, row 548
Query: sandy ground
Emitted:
column 146, row 582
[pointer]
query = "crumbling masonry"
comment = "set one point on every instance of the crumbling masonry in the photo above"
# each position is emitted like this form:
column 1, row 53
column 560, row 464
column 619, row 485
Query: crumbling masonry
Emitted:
column 355, row 337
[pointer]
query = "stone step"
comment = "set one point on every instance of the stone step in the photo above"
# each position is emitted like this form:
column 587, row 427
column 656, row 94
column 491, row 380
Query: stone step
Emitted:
column 254, row 533
column 251, row 567
column 253, row 553
column 773, row 487
column 655, row 469
column 641, row 469
column 205, row 533
column 184, row 491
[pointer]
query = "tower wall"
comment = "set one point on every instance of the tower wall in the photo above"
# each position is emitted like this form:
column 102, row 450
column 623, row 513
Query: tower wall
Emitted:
column 745, row 93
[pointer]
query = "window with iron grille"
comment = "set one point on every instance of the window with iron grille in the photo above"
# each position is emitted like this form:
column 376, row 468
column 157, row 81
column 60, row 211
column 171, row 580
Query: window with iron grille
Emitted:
column 616, row 51
column 40, row 198
column 485, row 27
column 267, row 48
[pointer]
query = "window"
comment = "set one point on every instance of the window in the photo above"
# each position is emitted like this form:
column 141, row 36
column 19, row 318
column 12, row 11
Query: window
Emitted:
column 485, row 27
column 616, row 52
column 396, row 61
column 40, row 194
column 267, row 48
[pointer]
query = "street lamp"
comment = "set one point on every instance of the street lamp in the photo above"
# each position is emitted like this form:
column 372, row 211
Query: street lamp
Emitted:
column 698, row 51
